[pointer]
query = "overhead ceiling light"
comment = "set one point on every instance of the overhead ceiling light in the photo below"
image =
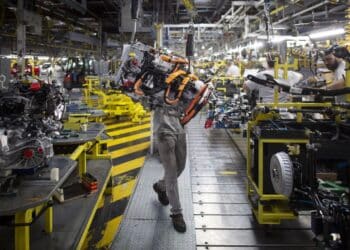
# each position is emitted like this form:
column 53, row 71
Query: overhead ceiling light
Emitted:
column 43, row 58
column 327, row 33
column 282, row 38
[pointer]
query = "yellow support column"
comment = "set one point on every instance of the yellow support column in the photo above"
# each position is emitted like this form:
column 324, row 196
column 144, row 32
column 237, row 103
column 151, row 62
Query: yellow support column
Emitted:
column 82, row 163
column 347, row 80
column 275, row 95
column 22, row 233
column 80, row 155
column 285, row 70
column 49, row 220
column 261, row 167
column 299, row 117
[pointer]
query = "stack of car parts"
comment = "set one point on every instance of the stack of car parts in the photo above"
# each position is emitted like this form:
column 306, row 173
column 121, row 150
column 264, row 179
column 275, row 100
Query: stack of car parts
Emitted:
column 29, row 113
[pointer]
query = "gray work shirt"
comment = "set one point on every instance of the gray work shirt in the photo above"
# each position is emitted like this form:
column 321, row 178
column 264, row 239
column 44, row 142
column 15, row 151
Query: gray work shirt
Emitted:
column 339, row 74
column 166, row 119
column 266, row 94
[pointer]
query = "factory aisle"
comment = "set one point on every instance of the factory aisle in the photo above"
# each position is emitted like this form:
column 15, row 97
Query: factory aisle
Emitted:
column 213, row 194
column 146, row 224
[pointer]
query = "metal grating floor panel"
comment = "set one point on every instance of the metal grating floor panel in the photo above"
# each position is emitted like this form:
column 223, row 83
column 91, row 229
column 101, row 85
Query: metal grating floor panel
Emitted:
column 220, row 198
column 253, row 237
column 245, row 222
column 146, row 224
column 219, row 188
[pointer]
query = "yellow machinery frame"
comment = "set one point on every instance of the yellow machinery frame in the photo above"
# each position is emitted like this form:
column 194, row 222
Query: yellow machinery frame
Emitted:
column 279, row 210
column 278, row 207
column 111, row 102
column 285, row 67
column 237, row 81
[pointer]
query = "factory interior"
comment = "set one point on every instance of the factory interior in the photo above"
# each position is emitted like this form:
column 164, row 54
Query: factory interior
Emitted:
column 175, row 124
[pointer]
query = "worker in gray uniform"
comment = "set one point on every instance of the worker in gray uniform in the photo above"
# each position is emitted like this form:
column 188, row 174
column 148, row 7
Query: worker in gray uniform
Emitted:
column 171, row 138
column 337, row 66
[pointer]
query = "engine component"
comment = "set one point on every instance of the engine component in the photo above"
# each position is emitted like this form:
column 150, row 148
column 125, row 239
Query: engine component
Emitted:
column 29, row 113
column 26, row 156
column 281, row 173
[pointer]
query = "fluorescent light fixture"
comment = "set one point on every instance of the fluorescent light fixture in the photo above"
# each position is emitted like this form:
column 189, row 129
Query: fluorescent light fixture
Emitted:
column 43, row 58
column 327, row 33
column 281, row 38
column 11, row 56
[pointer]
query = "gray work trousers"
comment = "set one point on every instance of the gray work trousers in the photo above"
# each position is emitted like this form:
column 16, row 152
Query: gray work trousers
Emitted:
column 172, row 151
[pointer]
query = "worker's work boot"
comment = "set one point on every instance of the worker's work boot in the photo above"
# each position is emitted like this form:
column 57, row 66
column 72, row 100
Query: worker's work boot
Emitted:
column 178, row 222
column 162, row 197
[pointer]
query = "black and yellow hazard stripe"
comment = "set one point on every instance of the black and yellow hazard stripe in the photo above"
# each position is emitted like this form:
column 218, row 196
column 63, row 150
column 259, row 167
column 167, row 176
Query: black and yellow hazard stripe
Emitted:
column 128, row 149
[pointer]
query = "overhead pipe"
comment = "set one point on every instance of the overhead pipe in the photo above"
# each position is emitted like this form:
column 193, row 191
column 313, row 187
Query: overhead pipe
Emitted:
column 301, row 12
column 321, row 13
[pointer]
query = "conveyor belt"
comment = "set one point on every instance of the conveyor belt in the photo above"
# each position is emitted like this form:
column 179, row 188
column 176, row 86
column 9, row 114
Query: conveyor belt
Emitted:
column 213, row 195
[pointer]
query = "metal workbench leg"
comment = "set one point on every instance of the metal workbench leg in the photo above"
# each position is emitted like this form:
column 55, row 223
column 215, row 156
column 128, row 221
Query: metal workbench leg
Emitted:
column 49, row 219
column 82, row 163
column 22, row 233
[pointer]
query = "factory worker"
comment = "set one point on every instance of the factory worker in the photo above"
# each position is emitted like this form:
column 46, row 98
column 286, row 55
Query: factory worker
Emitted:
column 337, row 66
column 171, row 143
column 232, row 70
column 266, row 94
column 171, row 140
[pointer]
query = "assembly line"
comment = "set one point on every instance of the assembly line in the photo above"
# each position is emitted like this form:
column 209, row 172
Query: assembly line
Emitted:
column 193, row 124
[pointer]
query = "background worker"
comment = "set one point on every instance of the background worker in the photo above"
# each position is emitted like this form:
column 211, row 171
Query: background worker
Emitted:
column 266, row 94
column 232, row 70
column 337, row 66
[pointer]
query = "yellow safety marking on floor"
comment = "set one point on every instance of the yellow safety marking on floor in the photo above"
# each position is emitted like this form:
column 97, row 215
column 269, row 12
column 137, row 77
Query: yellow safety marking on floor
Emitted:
column 128, row 130
column 122, row 124
column 127, row 166
column 228, row 172
column 101, row 202
column 86, row 242
column 109, row 232
column 110, row 121
column 130, row 150
column 128, row 139
column 126, row 173
column 124, row 190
